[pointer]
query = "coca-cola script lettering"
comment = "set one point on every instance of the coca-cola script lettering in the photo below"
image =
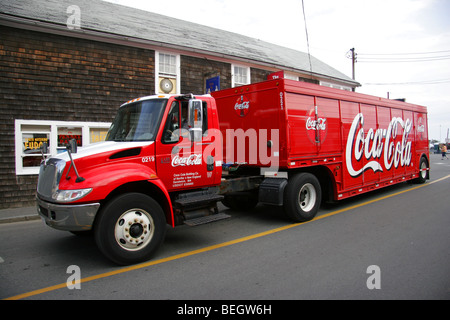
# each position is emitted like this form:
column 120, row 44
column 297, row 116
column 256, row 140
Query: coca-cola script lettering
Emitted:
column 316, row 126
column 192, row 160
column 242, row 106
column 378, row 146
column 319, row 124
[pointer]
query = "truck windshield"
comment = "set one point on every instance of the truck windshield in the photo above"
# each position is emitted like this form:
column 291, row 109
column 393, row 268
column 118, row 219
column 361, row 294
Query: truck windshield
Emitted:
column 137, row 121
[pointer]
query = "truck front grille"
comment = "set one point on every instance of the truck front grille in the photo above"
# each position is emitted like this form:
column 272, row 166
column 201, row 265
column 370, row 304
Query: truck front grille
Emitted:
column 49, row 176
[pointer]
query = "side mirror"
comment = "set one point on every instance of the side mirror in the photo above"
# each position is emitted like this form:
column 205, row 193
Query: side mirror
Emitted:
column 195, row 119
column 44, row 148
column 195, row 134
column 72, row 146
column 195, row 113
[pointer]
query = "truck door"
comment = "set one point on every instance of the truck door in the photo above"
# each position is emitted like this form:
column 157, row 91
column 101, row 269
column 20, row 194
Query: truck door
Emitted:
column 180, row 159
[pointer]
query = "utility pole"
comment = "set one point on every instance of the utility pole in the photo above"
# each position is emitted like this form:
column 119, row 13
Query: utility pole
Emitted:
column 353, row 62
column 353, row 57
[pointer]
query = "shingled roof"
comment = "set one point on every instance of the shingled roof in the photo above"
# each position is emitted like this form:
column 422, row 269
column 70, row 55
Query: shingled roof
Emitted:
column 117, row 22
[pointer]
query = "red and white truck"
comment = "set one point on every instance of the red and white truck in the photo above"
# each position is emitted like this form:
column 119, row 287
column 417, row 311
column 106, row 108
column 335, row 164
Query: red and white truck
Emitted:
column 168, row 160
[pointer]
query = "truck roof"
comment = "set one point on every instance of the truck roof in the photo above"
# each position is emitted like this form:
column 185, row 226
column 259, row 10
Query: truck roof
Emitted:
column 164, row 96
column 327, row 92
column 316, row 90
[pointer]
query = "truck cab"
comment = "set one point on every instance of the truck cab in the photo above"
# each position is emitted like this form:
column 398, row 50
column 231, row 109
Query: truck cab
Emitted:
column 159, row 161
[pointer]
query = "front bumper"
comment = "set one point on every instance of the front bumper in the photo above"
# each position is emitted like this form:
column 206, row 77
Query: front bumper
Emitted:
column 68, row 217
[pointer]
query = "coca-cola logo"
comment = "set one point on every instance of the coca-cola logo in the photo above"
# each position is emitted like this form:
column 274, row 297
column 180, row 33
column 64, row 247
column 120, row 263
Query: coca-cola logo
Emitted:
column 191, row 160
column 319, row 124
column 316, row 126
column 242, row 106
column 421, row 129
column 380, row 147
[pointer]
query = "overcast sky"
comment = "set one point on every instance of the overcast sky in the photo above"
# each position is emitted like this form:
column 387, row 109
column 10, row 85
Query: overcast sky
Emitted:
column 403, row 46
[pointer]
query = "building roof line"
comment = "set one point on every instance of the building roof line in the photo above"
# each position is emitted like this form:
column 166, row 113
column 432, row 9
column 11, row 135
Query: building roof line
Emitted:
column 205, row 40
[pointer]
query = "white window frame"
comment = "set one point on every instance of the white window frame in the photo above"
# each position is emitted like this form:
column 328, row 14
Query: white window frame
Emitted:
column 51, row 128
column 235, row 83
column 176, row 75
column 291, row 76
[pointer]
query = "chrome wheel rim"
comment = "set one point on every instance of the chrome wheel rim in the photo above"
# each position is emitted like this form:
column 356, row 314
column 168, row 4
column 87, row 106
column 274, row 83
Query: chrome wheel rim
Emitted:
column 307, row 197
column 423, row 170
column 134, row 229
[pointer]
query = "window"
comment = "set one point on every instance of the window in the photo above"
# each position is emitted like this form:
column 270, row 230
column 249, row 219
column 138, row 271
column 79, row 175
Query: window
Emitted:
column 172, row 127
column 168, row 73
column 168, row 64
column 240, row 75
column 31, row 139
column 31, row 134
column 290, row 76
column 138, row 121
column 65, row 134
column 179, row 121
column 97, row 134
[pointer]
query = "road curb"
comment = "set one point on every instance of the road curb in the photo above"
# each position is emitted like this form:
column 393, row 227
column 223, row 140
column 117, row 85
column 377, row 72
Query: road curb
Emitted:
column 18, row 214
column 19, row 219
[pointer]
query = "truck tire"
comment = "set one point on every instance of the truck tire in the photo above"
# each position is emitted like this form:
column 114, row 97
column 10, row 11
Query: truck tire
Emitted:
column 423, row 164
column 130, row 228
column 302, row 197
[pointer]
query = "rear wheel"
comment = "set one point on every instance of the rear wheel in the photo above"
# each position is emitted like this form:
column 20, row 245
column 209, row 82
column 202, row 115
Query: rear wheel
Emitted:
column 130, row 228
column 423, row 172
column 302, row 197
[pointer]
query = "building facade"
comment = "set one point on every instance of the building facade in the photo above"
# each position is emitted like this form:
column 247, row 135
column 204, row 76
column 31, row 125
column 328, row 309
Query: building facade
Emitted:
column 63, row 78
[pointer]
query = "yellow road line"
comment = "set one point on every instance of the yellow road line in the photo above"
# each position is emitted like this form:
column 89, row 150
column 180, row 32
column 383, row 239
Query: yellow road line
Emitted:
column 214, row 247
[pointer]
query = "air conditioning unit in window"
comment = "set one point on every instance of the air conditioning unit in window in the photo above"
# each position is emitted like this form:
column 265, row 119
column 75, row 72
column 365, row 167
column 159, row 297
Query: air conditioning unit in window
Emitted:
column 167, row 85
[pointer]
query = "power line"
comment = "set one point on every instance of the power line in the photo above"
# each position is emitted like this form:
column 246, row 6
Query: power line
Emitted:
column 307, row 36
column 404, row 54
column 401, row 60
column 404, row 57
column 425, row 82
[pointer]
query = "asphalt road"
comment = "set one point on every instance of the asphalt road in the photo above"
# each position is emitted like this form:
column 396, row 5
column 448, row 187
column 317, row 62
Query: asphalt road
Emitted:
column 390, row 244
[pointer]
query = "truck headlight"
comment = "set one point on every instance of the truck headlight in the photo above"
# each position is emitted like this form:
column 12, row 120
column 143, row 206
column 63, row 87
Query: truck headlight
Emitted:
column 70, row 195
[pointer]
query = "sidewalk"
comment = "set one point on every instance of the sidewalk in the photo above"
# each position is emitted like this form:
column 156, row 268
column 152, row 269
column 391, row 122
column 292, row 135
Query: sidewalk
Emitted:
column 18, row 214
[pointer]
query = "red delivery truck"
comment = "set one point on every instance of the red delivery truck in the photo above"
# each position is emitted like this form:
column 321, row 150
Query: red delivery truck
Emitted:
column 169, row 159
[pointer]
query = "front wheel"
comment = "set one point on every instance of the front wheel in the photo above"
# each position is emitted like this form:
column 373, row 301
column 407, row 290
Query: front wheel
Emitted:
column 130, row 228
column 302, row 197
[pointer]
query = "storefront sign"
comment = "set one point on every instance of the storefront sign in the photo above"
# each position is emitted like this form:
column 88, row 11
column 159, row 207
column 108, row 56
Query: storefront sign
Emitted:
column 63, row 139
column 213, row 84
column 32, row 142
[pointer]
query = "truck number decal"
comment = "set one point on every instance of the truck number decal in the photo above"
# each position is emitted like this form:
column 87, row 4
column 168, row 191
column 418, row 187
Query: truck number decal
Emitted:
column 281, row 100
column 148, row 159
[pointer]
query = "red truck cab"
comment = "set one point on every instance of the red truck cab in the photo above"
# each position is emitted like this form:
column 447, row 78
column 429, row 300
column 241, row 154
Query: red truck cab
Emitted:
column 153, row 152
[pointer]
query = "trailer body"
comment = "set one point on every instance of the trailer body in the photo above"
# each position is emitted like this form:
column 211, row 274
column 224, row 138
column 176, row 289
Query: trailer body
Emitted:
column 359, row 142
